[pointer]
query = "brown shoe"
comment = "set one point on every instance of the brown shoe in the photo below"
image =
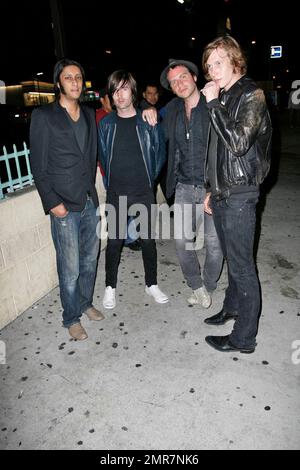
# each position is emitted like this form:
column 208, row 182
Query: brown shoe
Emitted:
column 77, row 332
column 93, row 314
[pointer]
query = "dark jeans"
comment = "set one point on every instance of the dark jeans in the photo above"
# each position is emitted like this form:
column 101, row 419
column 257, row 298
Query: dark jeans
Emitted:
column 132, row 235
column 117, row 224
column 77, row 247
column 235, row 219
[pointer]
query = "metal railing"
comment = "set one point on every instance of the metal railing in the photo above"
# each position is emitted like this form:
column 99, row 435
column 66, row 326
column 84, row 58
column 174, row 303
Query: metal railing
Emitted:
column 14, row 179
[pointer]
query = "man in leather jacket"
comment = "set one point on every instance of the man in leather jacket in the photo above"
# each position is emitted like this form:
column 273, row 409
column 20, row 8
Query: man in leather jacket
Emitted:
column 132, row 154
column 238, row 160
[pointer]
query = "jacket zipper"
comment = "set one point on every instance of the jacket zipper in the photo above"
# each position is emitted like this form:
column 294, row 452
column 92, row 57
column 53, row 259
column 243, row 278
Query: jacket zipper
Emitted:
column 137, row 131
column 206, row 160
column 111, row 154
column 206, row 155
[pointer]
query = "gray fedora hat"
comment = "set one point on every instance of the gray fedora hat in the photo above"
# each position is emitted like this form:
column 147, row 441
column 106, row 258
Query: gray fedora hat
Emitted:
column 172, row 63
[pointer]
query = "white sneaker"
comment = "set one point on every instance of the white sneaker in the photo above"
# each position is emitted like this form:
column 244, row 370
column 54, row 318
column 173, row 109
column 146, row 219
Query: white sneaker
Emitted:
column 157, row 294
column 200, row 296
column 109, row 299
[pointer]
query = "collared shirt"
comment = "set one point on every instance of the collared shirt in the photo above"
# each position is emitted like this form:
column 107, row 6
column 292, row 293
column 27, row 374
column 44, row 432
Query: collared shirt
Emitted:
column 191, row 142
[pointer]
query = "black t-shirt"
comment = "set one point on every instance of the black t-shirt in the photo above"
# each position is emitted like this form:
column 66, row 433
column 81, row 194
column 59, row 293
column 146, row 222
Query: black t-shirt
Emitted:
column 128, row 174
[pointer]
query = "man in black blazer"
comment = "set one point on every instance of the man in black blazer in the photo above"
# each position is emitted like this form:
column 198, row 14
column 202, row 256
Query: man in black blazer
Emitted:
column 63, row 147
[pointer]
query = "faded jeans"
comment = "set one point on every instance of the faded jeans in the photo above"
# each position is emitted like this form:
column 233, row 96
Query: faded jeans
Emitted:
column 77, row 247
column 189, row 216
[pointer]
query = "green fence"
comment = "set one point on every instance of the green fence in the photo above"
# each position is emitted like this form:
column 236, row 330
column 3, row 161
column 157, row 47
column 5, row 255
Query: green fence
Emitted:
column 18, row 171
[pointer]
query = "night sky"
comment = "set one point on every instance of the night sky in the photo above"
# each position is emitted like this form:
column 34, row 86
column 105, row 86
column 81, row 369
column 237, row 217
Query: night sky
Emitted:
column 142, row 35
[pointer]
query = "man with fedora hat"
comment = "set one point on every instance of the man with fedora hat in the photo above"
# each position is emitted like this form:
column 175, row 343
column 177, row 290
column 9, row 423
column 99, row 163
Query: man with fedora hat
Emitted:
column 185, row 125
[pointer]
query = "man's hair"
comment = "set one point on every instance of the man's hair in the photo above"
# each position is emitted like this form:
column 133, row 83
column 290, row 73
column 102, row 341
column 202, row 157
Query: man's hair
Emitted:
column 124, row 78
column 150, row 84
column 172, row 67
column 233, row 50
column 58, row 68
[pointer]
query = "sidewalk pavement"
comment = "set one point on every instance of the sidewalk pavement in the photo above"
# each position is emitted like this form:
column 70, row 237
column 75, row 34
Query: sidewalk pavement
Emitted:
column 145, row 378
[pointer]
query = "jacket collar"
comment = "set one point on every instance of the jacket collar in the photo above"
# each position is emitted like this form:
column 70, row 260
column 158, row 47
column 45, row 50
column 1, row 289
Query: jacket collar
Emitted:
column 237, row 85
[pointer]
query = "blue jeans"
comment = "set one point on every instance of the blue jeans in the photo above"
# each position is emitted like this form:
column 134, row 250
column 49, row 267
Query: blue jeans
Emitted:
column 77, row 247
column 190, row 197
column 235, row 219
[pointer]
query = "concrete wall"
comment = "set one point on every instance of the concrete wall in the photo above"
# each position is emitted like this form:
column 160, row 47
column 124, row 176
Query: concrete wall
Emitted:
column 27, row 256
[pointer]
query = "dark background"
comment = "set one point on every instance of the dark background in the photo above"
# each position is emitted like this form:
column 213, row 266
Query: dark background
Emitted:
column 143, row 34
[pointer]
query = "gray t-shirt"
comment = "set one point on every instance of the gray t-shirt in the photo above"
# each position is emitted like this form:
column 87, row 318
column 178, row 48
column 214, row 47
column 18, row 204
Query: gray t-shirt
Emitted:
column 80, row 128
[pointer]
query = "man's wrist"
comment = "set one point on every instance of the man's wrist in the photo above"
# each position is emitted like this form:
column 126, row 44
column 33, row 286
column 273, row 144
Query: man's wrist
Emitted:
column 214, row 103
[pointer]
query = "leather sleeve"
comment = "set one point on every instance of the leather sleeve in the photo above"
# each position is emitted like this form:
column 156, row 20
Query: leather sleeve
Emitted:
column 239, row 132
column 102, row 152
column 160, row 149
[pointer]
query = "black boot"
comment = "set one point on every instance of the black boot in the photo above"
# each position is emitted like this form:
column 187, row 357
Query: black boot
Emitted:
column 223, row 344
column 221, row 318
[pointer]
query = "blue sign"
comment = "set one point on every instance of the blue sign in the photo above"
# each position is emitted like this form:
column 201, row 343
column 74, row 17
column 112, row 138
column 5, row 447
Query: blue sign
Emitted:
column 276, row 52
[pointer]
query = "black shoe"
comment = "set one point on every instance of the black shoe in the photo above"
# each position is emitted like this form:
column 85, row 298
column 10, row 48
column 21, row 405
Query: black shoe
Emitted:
column 223, row 344
column 220, row 318
column 135, row 246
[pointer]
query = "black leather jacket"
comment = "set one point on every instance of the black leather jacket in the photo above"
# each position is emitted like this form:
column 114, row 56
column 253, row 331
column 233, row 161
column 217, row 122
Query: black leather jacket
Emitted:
column 151, row 140
column 242, row 122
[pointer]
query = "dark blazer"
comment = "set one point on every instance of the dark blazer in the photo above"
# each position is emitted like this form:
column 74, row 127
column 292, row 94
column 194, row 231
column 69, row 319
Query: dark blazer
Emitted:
column 62, row 173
